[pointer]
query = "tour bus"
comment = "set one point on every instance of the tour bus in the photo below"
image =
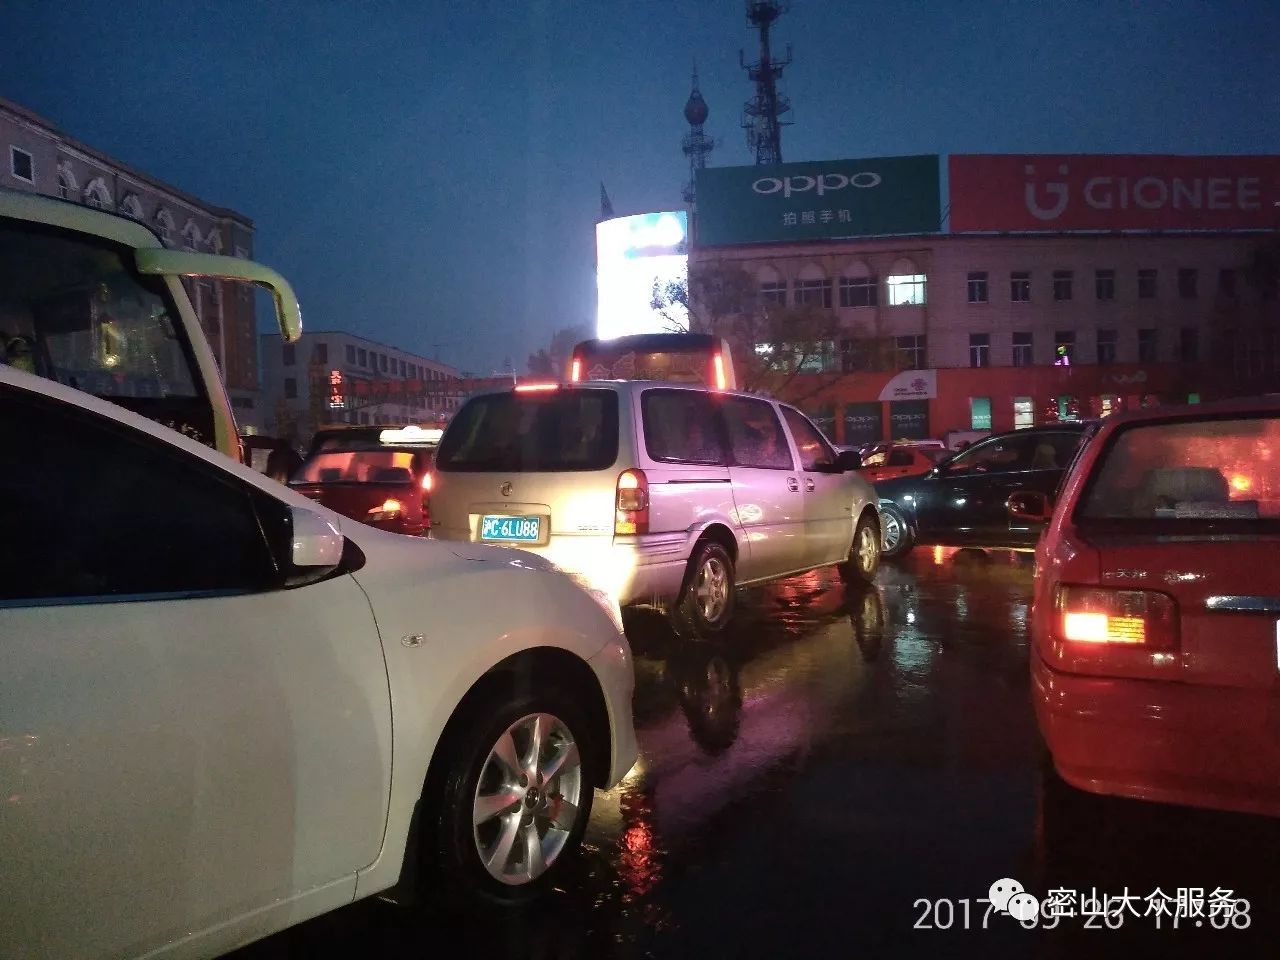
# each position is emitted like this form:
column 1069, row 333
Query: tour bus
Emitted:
column 95, row 301
column 680, row 357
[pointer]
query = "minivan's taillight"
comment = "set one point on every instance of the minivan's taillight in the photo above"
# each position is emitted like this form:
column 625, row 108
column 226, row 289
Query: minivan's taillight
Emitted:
column 1142, row 619
column 632, row 506
column 575, row 370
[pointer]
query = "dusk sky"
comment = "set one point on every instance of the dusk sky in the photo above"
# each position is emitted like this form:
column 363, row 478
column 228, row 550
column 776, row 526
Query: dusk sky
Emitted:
column 428, row 173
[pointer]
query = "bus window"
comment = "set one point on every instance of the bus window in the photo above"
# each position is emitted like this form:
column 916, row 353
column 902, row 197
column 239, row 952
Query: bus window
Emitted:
column 674, row 357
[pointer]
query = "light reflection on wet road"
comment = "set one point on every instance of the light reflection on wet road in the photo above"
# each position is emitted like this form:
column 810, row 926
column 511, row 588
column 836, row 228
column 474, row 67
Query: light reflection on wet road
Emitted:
column 843, row 754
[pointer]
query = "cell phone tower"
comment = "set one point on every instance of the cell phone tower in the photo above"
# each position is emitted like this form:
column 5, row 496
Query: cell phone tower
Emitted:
column 696, row 144
column 762, row 114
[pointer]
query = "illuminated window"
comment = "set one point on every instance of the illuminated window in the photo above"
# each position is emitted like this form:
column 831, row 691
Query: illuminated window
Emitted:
column 1024, row 414
column 1108, row 404
column 1106, row 346
column 1020, row 287
column 1064, row 353
column 979, row 349
column 907, row 289
column 1147, row 345
column 978, row 287
column 1146, row 284
column 21, row 165
column 859, row 292
column 1104, row 284
column 1062, row 280
column 911, row 352
column 1022, row 348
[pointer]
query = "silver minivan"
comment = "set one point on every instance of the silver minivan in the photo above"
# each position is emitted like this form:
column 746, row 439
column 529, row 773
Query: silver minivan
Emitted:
column 658, row 494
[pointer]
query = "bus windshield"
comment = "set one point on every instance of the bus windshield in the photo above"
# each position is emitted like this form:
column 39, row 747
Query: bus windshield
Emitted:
column 74, row 310
column 676, row 357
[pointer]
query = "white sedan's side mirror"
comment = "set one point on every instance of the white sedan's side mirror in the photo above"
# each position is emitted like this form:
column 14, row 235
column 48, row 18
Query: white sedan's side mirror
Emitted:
column 316, row 541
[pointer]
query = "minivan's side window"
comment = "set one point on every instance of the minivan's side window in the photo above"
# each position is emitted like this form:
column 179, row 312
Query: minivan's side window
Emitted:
column 91, row 509
column 815, row 452
column 680, row 426
column 756, row 437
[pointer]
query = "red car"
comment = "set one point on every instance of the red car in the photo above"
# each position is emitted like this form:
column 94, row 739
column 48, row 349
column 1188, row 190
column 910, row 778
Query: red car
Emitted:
column 377, row 475
column 901, row 460
column 1156, row 621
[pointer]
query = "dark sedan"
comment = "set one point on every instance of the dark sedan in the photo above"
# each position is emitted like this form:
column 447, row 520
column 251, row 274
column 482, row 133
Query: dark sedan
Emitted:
column 961, row 501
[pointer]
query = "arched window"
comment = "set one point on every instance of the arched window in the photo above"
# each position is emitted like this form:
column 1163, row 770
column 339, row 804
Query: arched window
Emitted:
column 131, row 206
column 164, row 226
column 97, row 195
column 813, row 286
column 906, row 284
column 191, row 236
column 773, row 288
column 859, row 286
column 67, row 185
column 214, row 240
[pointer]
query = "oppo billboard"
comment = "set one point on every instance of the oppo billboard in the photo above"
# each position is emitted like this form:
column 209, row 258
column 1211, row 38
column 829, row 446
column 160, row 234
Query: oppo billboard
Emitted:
column 632, row 254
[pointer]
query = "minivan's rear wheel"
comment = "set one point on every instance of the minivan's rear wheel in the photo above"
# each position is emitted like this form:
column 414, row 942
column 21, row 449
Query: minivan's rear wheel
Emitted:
column 895, row 535
column 705, row 606
column 515, row 800
column 864, row 555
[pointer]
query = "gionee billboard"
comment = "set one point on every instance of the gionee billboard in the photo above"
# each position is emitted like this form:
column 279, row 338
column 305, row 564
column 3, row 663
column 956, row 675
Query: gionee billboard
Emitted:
column 1105, row 192
column 633, row 256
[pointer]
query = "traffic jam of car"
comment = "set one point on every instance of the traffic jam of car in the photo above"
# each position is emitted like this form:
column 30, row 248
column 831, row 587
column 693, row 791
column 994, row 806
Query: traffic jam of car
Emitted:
column 454, row 600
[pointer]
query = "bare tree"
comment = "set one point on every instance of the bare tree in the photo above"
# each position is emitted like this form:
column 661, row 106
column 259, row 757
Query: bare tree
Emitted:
column 551, row 361
column 795, row 351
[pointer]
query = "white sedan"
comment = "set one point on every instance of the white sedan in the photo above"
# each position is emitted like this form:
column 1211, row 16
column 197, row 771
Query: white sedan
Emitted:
column 225, row 709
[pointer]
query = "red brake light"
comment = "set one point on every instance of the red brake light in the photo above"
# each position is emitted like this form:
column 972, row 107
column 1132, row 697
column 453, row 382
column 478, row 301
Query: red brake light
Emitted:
column 1144, row 619
column 632, row 508
column 717, row 365
column 427, row 483
column 575, row 371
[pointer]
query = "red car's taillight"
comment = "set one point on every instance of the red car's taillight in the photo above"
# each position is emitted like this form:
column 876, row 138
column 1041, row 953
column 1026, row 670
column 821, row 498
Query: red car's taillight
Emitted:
column 632, row 506
column 1136, row 619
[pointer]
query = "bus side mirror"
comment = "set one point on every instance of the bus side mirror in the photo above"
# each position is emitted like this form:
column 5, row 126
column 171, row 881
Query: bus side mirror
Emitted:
column 159, row 262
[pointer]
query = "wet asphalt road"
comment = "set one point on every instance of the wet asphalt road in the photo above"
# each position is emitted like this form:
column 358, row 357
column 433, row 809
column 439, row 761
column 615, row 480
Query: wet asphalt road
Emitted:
column 842, row 756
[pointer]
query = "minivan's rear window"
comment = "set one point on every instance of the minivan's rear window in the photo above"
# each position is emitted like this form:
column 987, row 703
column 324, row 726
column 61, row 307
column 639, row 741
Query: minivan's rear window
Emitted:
column 544, row 431
column 1180, row 475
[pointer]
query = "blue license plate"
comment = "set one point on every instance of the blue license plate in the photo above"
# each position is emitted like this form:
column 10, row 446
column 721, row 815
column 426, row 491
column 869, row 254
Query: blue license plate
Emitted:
column 511, row 529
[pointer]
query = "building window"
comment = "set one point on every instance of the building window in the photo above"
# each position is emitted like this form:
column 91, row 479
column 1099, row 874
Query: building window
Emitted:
column 1064, row 353
column 364, row 419
column 906, row 289
column 1147, row 345
column 287, row 355
column 351, row 354
column 21, row 165
column 1062, row 280
column 382, row 362
column 1106, row 346
column 1022, row 348
column 1227, row 282
column 322, row 352
column 1189, row 345
column 911, row 352
column 1104, row 284
column 1024, row 413
column 774, row 292
column 364, row 360
column 290, row 388
column 96, row 195
column 1187, row 279
column 978, row 287
column 191, row 236
column 979, row 413
column 1020, row 287
column 164, row 227
column 813, row 293
column 67, row 185
column 979, row 349
column 859, row 292
column 1146, row 284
